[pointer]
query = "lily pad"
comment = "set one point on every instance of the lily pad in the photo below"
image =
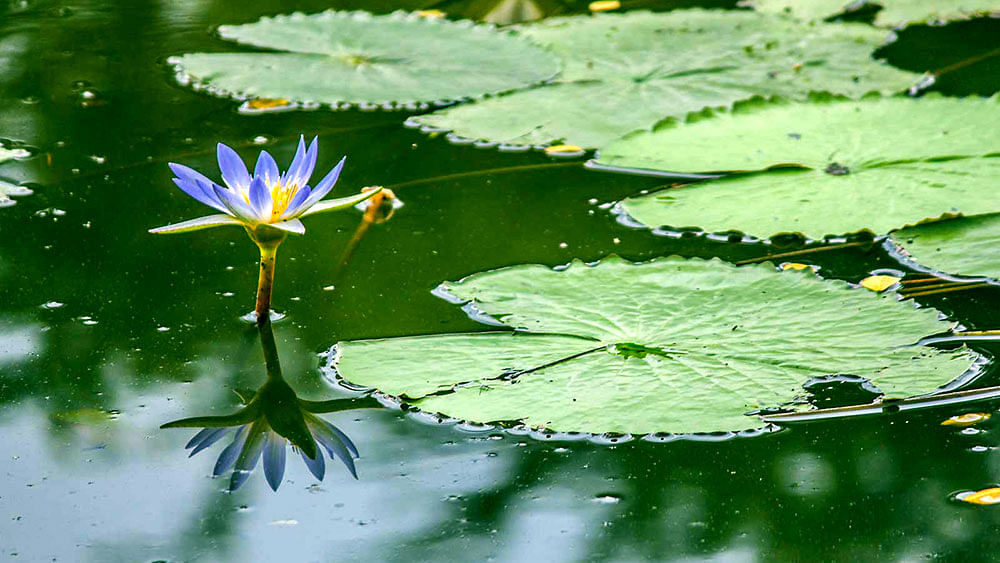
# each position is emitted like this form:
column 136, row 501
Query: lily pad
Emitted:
column 340, row 57
column 628, row 71
column 965, row 246
column 673, row 345
column 837, row 166
column 892, row 12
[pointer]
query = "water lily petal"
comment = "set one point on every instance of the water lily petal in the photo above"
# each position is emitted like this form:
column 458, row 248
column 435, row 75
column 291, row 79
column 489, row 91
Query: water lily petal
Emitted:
column 196, row 179
column 296, row 202
column 211, row 436
column 316, row 465
column 236, row 205
column 198, row 437
column 326, row 184
column 343, row 438
column 228, row 456
column 291, row 225
column 205, row 222
column 266, row 169
column 334, row 447
column 250, row 454
column 234, row 171
column 293, row 168
column 308, row 164
column 274, row 461
column 340, row 203
column 195, row 190
column 260, row 198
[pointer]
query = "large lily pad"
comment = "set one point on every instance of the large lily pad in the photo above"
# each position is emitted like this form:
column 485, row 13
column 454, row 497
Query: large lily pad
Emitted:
column 965, row 246
column 628, row 71
column 673, row 345
column 357, row 58
column 892, row 12
column 878, row 164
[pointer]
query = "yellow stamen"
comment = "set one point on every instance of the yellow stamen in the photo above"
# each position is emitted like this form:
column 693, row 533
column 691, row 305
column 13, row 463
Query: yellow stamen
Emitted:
column 281, row 196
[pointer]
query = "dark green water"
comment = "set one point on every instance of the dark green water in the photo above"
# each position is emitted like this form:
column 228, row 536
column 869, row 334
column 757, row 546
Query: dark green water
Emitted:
column 147, row 331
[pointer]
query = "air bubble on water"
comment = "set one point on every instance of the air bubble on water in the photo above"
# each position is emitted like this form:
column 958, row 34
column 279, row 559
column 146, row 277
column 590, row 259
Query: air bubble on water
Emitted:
column 979, row 449
column 52, row 305
column 163, row 329
column 261, row 140
column 85, row 225
column 329, row 288
column 251, row 317
column 971, row 431
column 229, row 268
column 888, row 272
column 616, row 240
column 563, row 245
column 227, row 293
column 608, row 498
column 98, row 159
column 592, row 201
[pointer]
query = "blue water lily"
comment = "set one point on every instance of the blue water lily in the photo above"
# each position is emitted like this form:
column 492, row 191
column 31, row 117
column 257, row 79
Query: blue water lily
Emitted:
column 268, row 204
column 271, row 420
column 268, row 197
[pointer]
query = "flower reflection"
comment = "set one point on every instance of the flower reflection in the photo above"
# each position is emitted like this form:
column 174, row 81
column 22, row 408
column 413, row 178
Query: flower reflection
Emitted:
column 273, row 418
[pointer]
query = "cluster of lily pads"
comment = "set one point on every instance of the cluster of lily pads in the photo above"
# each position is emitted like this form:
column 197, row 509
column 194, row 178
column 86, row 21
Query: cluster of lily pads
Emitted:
column 794, row 125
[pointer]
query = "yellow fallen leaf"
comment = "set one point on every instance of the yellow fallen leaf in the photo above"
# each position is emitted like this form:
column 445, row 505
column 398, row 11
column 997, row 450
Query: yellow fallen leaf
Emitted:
column 604, row 5
column 794, row 266
column 967, row 419
column 563, row 149
column 267, row 103
column 985, row 496
column 432, row 14
column 879, row 283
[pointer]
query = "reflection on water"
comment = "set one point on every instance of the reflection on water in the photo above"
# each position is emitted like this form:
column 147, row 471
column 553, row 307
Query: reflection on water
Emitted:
column 273, row 418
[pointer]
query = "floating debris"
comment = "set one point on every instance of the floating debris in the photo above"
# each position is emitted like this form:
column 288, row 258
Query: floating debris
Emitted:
column 879, row 283
column 604, row 5
column 983, row 497
column 967, row 419
column 566, row 151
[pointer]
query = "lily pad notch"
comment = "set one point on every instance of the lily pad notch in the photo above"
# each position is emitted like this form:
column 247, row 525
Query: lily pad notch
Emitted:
column 673, row 346
column 622, row 72
column 344, row 59
column 959, row 249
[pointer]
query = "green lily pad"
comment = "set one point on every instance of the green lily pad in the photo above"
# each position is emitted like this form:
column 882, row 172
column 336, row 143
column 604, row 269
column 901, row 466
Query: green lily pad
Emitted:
column 965, row 246
column 838, row 166
column 357, row 58
column 623, row 72
column 673, row 345
column 892, row 12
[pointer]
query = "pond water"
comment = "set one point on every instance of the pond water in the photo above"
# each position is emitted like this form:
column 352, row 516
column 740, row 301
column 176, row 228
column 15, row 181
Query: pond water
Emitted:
column 107, row 332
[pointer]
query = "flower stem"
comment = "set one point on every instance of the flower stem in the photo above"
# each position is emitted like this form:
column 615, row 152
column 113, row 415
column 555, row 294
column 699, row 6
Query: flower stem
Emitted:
column 268, row 256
